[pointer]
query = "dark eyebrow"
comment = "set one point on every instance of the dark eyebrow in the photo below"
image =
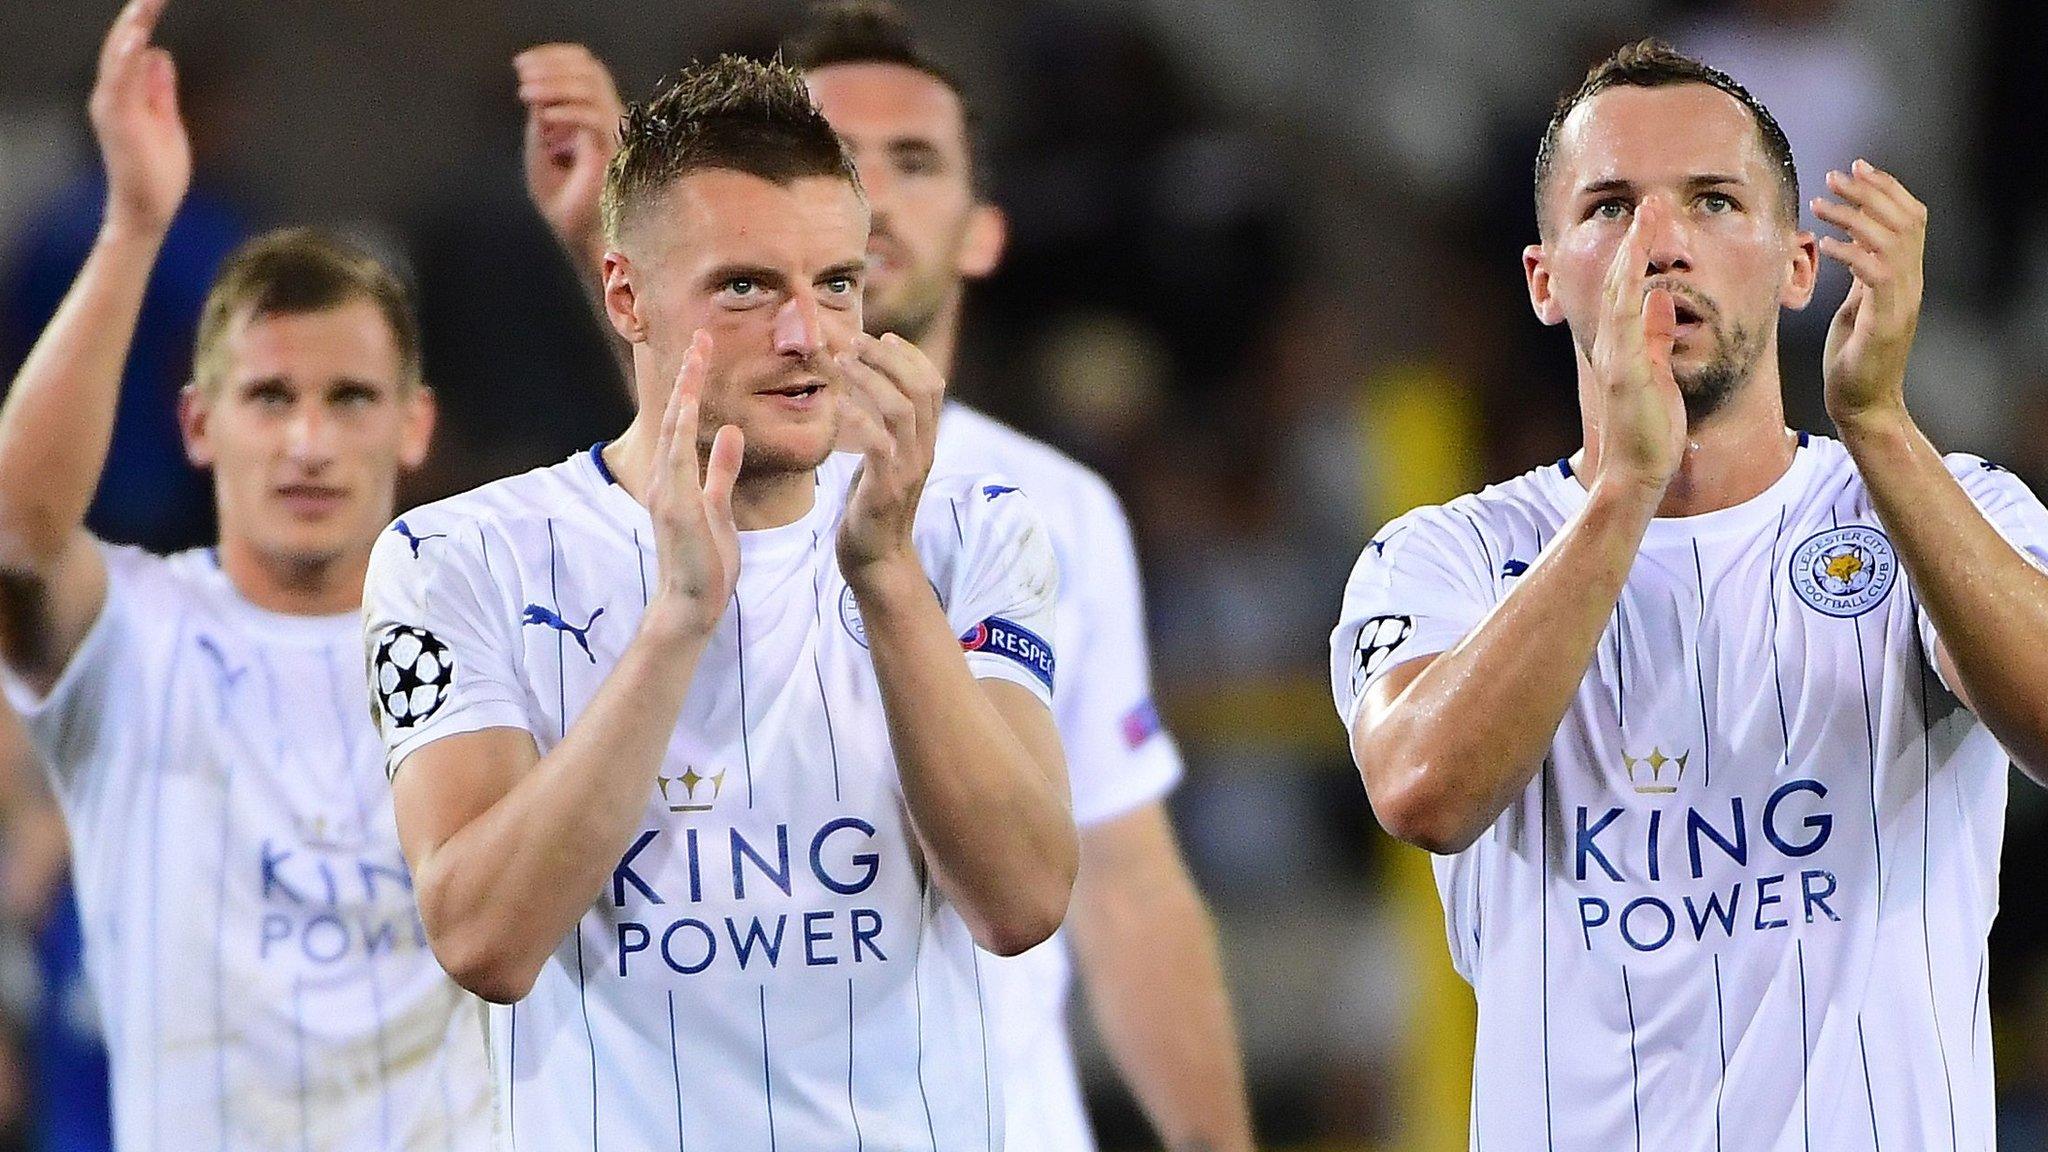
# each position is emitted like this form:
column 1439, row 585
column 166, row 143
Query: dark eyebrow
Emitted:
column 1602, row 186
column 921, row 145
column 844, row 268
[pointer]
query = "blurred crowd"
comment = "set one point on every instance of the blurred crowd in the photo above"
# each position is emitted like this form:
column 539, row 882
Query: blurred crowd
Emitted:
column 1263, row 275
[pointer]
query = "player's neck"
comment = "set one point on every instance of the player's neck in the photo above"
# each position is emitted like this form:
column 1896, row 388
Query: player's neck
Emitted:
column 1731, row 456
column 292, row 586
column 939, row 341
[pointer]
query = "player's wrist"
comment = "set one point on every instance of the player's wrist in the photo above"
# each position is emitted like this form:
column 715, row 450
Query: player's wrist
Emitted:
column 1871, row 424
column 132, row 230
column 680, row 627
column 886, row 582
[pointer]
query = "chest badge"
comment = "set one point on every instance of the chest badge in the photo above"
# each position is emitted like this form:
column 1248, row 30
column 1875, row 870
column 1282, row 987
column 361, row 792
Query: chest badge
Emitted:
column 1845, row 571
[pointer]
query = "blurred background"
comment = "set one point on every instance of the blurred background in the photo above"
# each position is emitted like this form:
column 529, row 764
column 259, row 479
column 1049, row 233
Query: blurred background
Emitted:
column 1264, row 275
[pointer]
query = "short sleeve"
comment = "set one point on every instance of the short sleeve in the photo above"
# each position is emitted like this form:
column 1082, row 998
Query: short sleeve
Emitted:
column 1119, row 756
column 441, row 655
column 996, row 576
column 2011, row 507
column 68, row 724
column 1418, row 588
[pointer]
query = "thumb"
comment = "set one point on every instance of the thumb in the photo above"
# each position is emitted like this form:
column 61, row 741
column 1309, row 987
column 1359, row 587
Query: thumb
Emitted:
column 1660, row 327
column 163, row 81
column 721, row 472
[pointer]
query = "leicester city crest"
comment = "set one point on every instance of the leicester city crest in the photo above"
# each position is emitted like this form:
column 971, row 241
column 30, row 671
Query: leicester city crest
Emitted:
column 849, row 616
column 1845, row 571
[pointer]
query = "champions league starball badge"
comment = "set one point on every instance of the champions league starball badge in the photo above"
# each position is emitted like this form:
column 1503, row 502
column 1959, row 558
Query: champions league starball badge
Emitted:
column 1844, row 572
column 413, row 671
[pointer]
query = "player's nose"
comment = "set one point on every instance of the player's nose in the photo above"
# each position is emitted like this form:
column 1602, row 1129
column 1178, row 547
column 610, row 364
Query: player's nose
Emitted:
column 1665, row 239
column 797, row 328
column 309, row 436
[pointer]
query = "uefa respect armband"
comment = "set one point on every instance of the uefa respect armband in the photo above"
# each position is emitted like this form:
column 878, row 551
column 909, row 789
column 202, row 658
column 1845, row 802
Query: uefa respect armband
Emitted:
column 1011, row 640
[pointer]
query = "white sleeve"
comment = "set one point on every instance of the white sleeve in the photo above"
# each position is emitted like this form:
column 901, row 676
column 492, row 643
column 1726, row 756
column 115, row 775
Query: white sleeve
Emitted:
column 992, row 565
column 1119, row 756
column 2011, row 507
column 70, row 724
column 1418, row 588
column 442, row 654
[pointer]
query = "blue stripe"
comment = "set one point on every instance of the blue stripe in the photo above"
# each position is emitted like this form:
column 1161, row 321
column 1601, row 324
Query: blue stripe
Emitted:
column 156, row 825
column 767, row 1081
column 597, row 458
column 859, row 1143
column 1771, row 597
column 1564, row 467
column 1721, row 1035
column 1635, row 1073
column 988, row 1103
column 739, row 629
column 220, row 924
column 1805, row 1053
column 1620, row 662
column 817, row 668
column 299, row 1047
column 512, row 1079
column 640, row 557
column 1699, row 671
column 1926, row 809
column 348, row 751
column 675, row 1067
column 924, row 909
column 1868, row 1094
column 957, row 529
column 589, row 1044
column 1870, row 746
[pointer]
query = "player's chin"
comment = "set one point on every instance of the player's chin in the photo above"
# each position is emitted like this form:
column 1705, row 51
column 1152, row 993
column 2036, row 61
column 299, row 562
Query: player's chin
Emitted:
column 784, row 442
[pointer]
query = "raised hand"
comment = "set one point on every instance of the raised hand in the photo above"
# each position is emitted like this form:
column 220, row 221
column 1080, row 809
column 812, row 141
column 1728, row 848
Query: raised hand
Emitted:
column 135, row 117
column 696, row 542
column 895, row 394
column 572, row 132
column 1864, row 365
column 1642, row 421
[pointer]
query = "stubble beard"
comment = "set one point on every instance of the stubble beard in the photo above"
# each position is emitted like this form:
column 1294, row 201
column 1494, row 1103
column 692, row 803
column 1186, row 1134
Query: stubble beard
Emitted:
column 1708, row 388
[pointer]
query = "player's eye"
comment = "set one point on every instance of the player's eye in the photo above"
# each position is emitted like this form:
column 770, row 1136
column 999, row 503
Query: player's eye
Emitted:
column 840, row 285
column 1715, row 203
column 354, row 396
column 270, row 395
column 741, row 286
column 1611, row 208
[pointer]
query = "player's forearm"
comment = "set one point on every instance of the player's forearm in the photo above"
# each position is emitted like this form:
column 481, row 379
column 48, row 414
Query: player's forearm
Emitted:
column 1989, row 603
column 995, row 823
column 59, row 416
column 1467, row 735
column 1147, row 953
column 500, row 894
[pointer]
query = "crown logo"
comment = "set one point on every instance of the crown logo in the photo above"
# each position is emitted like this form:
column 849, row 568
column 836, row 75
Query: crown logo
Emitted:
column 1647, row 773
column 690, row 800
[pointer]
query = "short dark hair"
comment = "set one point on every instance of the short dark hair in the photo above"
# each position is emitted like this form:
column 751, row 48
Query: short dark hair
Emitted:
column 294, row 271
column 1655, row 64
column 734, row 113
column 877, row 32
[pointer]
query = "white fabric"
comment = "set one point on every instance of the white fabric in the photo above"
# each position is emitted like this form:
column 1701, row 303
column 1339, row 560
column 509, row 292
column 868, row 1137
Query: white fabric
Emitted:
column 250, row 930
column 1744, row 904
column 1118, row 757
column 771, row 967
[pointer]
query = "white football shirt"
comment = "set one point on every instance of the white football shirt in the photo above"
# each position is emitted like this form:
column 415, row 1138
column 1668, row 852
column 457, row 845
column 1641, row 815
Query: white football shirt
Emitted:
column 250, row 930
column 1118, row 756
column 1744, row 904
column 770, row 966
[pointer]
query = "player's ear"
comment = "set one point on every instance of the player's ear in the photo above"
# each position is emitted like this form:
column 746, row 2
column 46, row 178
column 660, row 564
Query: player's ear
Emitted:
column 422, row 410
column 988, row 233
column 621, row 298
column 1802, row 273
column 1536, row 270
column 194, row 418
